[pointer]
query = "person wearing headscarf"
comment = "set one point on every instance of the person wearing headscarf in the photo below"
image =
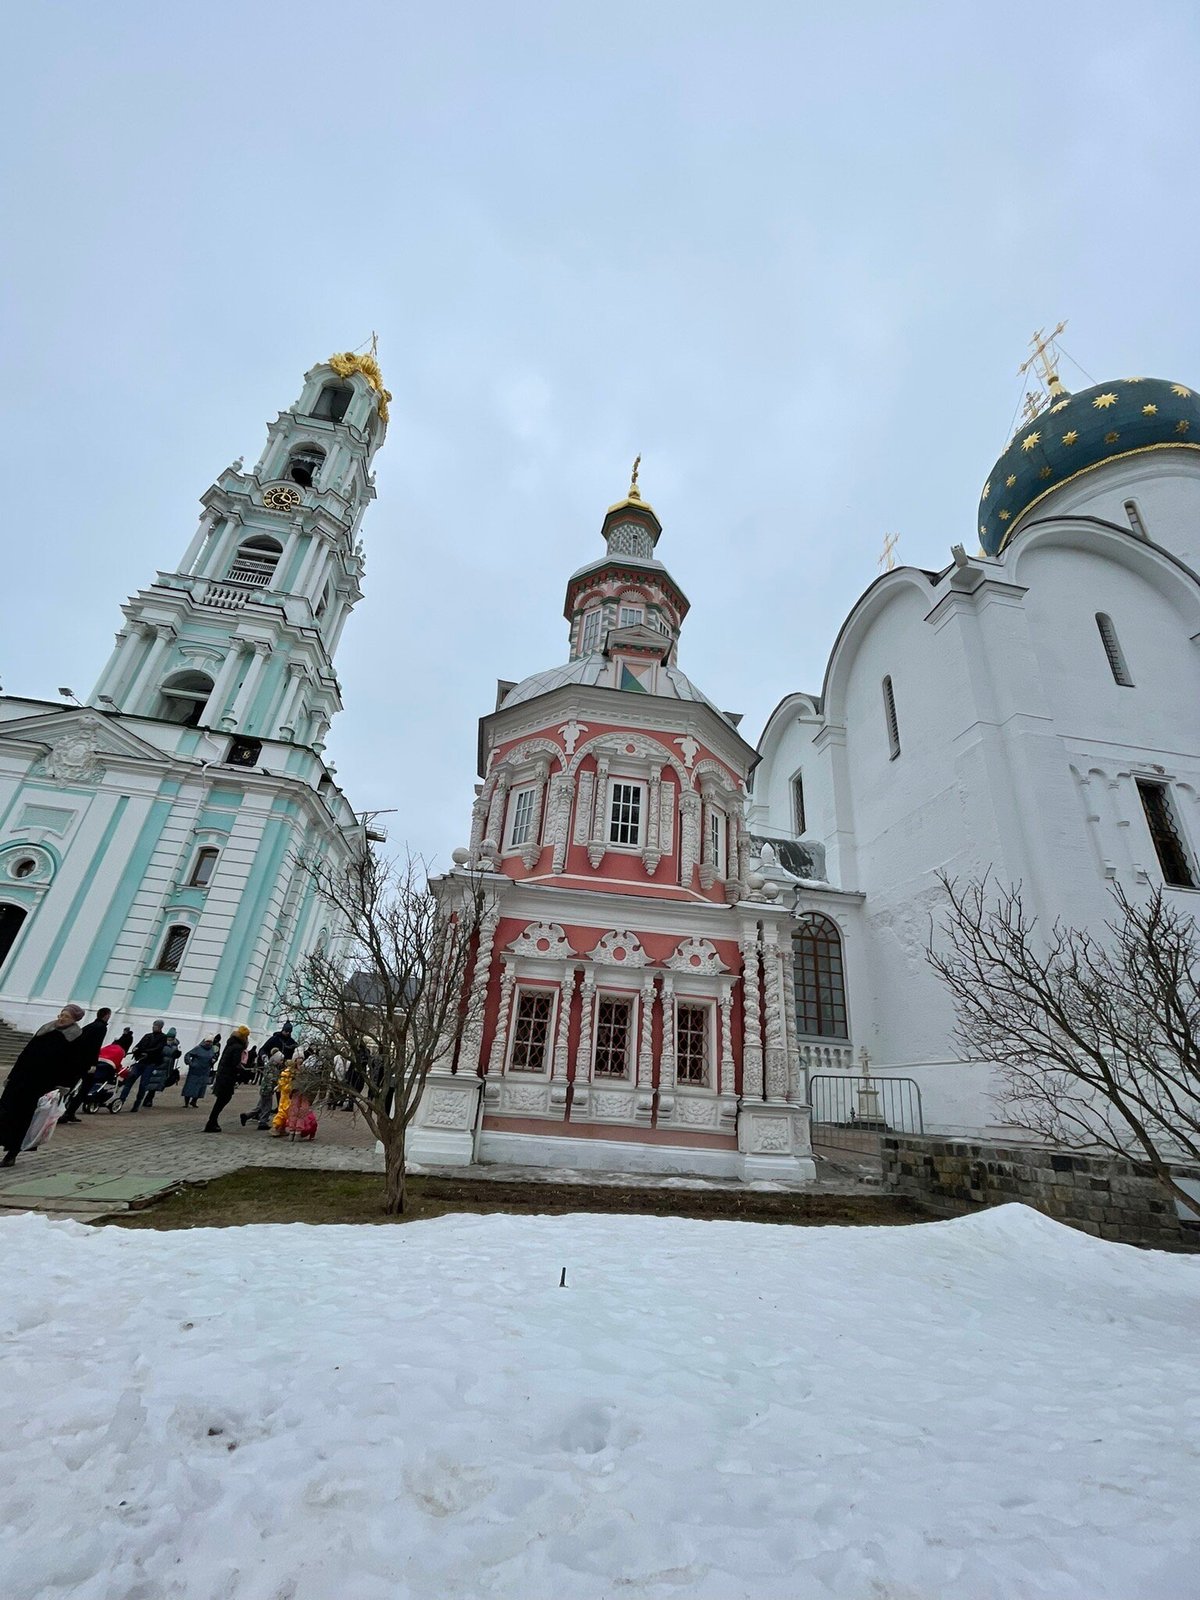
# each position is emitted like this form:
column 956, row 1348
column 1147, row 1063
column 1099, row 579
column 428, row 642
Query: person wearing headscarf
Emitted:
column 47, row 1062
column 86, row 1051
column 226, row 1079
column 199, row 1061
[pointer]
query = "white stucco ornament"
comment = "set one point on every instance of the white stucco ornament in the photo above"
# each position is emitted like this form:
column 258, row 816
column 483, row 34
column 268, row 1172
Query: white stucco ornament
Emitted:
column 73, row 759
column 570, row 732
column 545, row 939
column 690, row 748
column 696, row 955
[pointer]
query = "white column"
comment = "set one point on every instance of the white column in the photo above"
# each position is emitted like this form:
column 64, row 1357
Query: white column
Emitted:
column 583, row 1056
column 245, row 696
column 727, row 1081
column 316, row 549
column 752, row 1056
column 124, row 650
column 500, row 1037
column 495, row 819
column 207, row 523
column 566, row 993
column 645, row 1065
column 211, row 715
column 221, row 551
column 531, row 854
column 164, row 637
column 297, row 673
column 666, row 1060
column 596, row 843
column 776, row 1061
column 472, row 1036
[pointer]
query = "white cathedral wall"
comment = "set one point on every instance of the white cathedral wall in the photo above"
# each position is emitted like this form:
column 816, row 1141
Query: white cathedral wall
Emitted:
column 1164, row 486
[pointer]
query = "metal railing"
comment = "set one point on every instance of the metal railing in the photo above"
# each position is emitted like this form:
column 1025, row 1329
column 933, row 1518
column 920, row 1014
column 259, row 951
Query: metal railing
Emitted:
column 249, row 573
column 852, row 1112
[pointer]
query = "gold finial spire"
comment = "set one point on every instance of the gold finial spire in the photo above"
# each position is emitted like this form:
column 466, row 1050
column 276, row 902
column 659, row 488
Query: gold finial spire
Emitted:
column 634, row 492
column 888, row 559
column 1045, row 359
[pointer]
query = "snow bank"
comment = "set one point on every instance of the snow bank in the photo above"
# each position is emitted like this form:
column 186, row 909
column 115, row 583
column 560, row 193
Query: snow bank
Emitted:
column 993, row 1407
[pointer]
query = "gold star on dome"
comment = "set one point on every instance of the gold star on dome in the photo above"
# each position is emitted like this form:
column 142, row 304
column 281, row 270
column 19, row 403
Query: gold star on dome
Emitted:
column 1182, row 427
column 1030, row 439
column 1045, row 472
column 1004, row 516
column 1184, row 394
column 987, row 488
column 1149, row 411
column 1070, row 436
column 1111, row 438
column 1103, row 401
column 1010, row 480
column 1132, row 380
column 1060, row 406
column 982, row 531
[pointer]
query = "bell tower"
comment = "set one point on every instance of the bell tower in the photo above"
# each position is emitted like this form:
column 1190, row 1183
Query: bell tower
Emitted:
column 241, row 637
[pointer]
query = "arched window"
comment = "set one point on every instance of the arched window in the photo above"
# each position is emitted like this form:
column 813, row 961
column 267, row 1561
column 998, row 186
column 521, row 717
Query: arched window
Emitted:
column 889, row 716
column 820, row 986
column 184, row 697
column 11, row 918
column 204, row 867
column 173, row 947
column 1112, row 649
column 256, row 561
column 304, row 465
column 333, row 402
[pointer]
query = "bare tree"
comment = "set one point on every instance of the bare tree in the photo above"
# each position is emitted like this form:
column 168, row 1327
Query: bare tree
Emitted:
column 1097, row 1039
column 392, row 997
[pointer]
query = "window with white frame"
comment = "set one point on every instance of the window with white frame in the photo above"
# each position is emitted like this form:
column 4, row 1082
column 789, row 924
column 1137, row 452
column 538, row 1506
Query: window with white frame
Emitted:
column 630, row 616
column 693, row 1027
column 589, row 641
column 716, row 837
column 625, row 813
column 520, row 818
column 531, row 1030
column 204, row 867
column 614, row 1024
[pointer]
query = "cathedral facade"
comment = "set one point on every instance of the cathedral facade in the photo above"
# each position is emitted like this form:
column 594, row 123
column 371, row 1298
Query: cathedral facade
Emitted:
column 634, row 976
column 149, row 839
column 1031, row 712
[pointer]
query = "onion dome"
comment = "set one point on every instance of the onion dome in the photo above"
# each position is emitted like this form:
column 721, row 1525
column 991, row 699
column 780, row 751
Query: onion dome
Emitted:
column 1075, row 434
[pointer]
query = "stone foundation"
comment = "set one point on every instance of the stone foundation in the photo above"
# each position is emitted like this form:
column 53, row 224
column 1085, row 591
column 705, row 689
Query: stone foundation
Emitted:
column 1101, row 1195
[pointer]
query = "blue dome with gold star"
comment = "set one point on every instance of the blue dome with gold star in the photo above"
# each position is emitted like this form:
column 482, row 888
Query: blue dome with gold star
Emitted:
column 1078, row 432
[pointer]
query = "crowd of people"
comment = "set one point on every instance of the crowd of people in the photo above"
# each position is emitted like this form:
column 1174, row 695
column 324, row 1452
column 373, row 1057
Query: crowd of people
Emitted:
column 67, row 1068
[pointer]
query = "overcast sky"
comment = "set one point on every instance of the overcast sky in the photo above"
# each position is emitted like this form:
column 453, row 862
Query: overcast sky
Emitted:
column 791, row 253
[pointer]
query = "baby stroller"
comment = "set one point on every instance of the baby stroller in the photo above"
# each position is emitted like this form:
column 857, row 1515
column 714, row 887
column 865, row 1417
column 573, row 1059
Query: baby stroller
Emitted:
column 102, row 1091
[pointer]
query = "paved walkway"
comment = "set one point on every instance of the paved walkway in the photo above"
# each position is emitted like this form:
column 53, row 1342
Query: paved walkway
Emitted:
column 105, row 1163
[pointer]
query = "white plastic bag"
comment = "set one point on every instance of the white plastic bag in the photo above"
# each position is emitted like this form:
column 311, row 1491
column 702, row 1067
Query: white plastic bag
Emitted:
column 49, row 1109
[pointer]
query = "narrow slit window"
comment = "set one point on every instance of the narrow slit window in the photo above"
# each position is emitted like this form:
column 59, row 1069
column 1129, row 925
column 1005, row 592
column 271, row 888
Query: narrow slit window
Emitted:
column 716, row 839
column 531, row 1031
column 206, row 863
column 1112, row 649
column 798, row 802
column 889, row 716
column 173, row 947
column 691, row 1045
column 1173, row 856
column 1135, row 519
column 613, row 1021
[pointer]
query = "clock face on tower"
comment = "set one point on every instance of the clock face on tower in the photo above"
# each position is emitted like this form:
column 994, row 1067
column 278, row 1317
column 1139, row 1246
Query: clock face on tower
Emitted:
column 281, row 497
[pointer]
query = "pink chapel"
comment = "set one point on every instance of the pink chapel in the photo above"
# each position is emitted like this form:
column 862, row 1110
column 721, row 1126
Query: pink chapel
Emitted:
column 632, row 998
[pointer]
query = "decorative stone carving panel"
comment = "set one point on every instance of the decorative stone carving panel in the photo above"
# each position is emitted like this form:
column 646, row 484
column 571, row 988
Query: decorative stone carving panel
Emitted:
column 620, row 950
column 583, row 807
column 73, row 759
column 544, row 939
column 696, row 955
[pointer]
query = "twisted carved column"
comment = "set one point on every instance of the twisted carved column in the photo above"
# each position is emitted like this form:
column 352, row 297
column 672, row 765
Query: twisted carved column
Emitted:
column 752, row 1057
column 727, row 1079
column 566, row 991
column 777, row 1061
column 500, row 1039
column 472, row 1038
column 666, row 1062
column 645, row 1070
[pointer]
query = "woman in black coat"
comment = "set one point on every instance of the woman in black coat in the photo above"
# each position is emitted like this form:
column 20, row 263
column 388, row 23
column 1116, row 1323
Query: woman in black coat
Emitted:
column 226, row 1080
column 46, row 1062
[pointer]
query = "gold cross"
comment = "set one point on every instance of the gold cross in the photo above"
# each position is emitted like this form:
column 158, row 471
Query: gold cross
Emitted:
column 374, row 345
column 1043, row 358
column 634, row 492
column 888, row 560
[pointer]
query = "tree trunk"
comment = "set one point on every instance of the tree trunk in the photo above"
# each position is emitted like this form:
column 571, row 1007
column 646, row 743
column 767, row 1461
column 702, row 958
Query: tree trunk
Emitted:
column 394, row 1176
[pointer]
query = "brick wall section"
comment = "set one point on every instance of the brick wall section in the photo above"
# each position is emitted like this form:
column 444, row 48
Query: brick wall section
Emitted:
column 1109, row 1198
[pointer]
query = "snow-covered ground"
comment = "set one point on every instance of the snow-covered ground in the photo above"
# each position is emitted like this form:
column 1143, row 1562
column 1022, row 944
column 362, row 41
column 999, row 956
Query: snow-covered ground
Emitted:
column 995, row 1407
